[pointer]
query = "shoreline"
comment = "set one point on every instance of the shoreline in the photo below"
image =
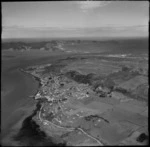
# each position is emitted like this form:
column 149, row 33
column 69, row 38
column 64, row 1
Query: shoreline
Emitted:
column 29, row 126
column 39, row 105
column 21, row 107
column 35, row 78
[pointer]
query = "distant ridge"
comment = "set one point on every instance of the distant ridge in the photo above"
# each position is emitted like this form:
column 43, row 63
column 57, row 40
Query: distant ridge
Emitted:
column 115, row 46
column 70, row 38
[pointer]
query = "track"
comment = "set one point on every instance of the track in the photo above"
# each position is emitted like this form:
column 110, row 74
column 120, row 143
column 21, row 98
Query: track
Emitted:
column 68, row 129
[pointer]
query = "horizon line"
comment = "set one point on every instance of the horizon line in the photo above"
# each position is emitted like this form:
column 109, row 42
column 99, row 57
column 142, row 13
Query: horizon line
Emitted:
column 42, row 27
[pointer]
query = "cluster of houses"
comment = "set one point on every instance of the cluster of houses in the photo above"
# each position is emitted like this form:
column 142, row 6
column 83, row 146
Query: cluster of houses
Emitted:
column 103, row 91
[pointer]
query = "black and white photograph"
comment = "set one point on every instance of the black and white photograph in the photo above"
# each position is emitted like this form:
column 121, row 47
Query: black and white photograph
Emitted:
column 74, row 73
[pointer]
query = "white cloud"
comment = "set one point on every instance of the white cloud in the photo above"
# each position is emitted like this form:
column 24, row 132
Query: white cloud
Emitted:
column 89, row 5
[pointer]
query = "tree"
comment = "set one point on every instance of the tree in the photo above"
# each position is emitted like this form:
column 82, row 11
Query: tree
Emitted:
column 53, row 45
column 125, row 68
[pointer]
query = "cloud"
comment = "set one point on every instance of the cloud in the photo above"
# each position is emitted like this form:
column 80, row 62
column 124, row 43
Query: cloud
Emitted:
column 90, row 5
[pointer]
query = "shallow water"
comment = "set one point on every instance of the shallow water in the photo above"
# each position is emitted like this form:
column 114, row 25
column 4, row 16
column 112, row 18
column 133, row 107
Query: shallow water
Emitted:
column 18, row 87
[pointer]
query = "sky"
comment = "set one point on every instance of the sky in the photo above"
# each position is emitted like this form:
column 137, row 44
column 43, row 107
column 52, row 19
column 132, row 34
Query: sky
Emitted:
column 75, row 19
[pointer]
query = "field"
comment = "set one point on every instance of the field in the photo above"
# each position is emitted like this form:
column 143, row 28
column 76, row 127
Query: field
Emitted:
column 94, row 102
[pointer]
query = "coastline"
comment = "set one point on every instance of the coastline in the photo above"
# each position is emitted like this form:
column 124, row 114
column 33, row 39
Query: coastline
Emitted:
column 33, row 120
column 39, row 106
column 16, row 105
column 34, row 77
column 29, row 126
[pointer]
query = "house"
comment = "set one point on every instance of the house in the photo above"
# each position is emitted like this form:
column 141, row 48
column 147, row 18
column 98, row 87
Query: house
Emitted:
column 102, row 91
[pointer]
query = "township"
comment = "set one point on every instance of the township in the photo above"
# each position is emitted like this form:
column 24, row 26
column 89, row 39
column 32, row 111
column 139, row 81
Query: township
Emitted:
column 101, row 112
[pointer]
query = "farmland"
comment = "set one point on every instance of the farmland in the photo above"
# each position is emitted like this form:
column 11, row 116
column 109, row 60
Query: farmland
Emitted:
column 93, row 97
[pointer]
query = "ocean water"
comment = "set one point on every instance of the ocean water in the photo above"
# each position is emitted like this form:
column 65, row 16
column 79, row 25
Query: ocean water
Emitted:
column 17, row 86
column 15, row 103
